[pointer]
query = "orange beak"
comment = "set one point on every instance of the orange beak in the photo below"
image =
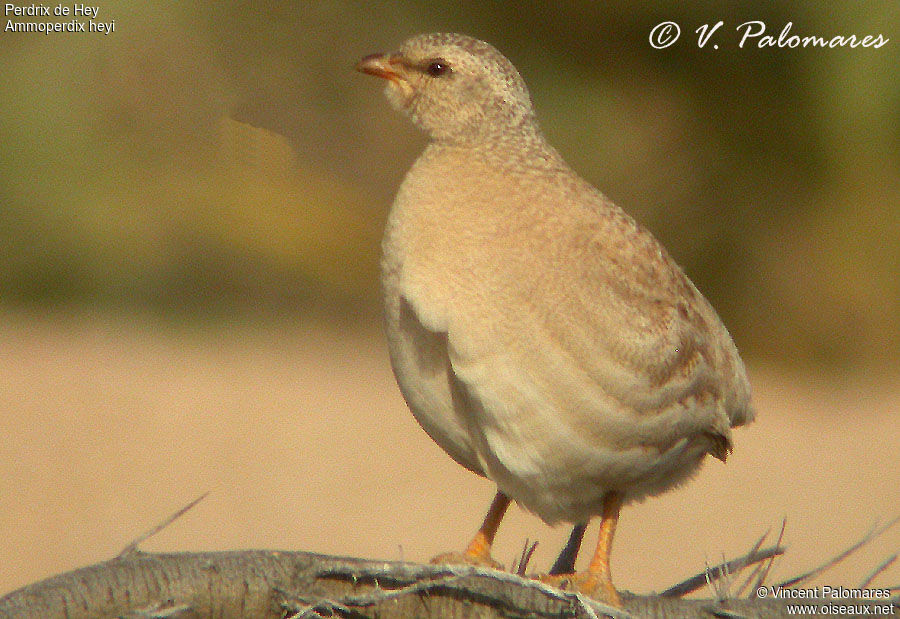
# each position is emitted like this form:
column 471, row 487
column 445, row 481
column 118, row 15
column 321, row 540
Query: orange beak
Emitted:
column 379, row 65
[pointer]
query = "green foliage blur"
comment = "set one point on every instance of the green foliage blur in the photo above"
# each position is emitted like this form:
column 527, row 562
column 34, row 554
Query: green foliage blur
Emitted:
column 210, row 159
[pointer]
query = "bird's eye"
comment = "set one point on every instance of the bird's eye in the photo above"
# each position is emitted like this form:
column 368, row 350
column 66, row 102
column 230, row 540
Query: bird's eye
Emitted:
column 437, row 68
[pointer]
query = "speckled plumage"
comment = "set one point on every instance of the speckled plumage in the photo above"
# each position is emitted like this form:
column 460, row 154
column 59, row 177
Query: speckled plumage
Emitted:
column 539, row 335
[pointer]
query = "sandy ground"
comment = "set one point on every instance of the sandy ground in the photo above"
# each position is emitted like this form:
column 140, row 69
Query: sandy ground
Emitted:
column 301, row 437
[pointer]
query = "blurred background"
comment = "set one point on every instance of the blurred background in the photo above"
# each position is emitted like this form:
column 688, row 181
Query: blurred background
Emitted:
column 190, row 218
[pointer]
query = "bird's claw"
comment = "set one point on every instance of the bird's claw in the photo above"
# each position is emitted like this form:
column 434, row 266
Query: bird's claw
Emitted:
column 586, row 583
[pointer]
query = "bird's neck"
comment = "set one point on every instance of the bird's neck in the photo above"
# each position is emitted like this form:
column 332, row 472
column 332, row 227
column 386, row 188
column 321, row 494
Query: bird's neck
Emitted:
column 520, row 146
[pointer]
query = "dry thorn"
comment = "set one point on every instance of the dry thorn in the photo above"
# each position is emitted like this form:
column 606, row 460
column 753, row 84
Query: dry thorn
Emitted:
column 762, row 577
column 720, row 583
column 874, row 574
column 132, row 547
column 521, row 564
column 695, row 582
column 868, row 537
column 709, row 581
column 755, row 547
column 750, row 578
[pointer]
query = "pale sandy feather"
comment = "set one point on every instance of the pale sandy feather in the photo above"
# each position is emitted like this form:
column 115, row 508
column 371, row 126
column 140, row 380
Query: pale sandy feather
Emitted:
column 544, row 339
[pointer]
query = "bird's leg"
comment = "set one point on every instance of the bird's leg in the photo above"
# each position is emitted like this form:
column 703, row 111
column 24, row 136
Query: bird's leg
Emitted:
column 565, row 562
column 597, row 581
column 478, row 552
column 480, row 546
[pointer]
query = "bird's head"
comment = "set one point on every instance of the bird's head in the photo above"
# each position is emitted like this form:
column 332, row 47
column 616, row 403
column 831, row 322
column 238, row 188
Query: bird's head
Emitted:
column 454, row 87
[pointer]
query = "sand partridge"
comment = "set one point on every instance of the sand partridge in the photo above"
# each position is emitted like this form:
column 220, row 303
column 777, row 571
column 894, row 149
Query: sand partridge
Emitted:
column 539, row 335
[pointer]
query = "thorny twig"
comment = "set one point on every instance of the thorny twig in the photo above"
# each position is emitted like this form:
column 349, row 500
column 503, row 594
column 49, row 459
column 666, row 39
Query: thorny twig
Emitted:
column 868, row 537
column 521, row 564
column 758, row 567
column 695, row 582
column 762, row 577
column 162, row 525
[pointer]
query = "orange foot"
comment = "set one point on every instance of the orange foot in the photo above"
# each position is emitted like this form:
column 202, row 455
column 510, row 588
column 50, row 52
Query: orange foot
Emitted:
column 591, row 585
column 479, row 550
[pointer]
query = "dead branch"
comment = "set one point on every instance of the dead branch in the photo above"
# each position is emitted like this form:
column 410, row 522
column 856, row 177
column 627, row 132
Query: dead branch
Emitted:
column 296, row 585
column 299, row 584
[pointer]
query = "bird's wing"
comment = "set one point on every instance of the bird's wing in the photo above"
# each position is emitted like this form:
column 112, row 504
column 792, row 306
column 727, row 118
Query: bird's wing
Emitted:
column 615, row 345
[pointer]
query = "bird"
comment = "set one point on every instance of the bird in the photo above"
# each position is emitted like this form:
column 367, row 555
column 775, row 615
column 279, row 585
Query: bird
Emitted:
column 540, row 335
